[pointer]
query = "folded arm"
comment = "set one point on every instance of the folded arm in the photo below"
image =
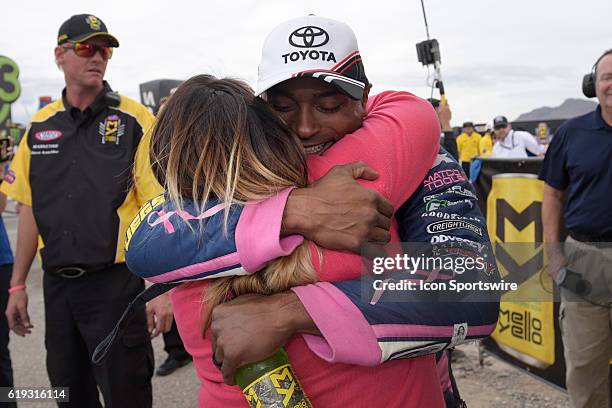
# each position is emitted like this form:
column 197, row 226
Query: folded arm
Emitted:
column 360, row 325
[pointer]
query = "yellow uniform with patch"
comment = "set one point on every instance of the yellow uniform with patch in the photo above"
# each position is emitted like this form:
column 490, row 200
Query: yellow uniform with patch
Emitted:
column 485, row 145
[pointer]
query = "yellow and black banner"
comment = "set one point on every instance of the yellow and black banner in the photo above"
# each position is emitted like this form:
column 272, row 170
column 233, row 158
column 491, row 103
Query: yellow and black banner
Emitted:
column 152, row 92
column 527, row 333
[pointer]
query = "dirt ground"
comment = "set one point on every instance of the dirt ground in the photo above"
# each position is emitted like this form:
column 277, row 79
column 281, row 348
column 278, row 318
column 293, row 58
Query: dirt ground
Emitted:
column 498, row 384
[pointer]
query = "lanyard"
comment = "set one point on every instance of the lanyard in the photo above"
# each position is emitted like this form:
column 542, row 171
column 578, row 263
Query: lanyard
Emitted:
column 513, row 145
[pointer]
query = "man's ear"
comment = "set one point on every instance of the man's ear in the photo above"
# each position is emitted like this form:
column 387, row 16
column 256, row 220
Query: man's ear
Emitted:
column 59, row 56
column 366, row 93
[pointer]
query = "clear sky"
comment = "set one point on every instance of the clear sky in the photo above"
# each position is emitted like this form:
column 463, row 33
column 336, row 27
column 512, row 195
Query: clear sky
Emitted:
column 498, row 57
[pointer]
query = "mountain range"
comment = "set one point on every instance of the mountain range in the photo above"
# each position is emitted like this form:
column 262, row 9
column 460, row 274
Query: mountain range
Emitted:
column 570, row 108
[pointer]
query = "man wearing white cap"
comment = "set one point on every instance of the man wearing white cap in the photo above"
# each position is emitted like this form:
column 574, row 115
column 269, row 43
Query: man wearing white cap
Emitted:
column 312, row 74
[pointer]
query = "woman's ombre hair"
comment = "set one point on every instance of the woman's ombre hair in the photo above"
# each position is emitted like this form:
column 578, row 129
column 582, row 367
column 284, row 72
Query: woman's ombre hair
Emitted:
column 215, row 139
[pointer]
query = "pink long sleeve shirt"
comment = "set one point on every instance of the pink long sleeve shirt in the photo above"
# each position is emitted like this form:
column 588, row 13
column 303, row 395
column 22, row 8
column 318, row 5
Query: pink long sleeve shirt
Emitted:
column 399, row 139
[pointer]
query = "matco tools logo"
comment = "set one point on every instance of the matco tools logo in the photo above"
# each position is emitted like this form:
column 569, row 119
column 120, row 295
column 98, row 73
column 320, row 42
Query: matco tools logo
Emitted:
column 111, row 129
column 309, row 37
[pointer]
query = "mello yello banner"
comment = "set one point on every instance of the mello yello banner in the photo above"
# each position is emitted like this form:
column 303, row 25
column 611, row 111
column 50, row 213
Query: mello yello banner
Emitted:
column 527, row 334
column 526, row 328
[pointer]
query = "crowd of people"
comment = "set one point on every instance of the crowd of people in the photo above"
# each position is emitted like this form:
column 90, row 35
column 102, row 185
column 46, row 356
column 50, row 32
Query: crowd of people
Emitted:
column 499, row 141
column 254, row 208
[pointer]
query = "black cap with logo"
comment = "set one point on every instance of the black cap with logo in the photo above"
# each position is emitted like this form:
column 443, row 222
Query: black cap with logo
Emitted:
column 82, row 27
column 500, row 121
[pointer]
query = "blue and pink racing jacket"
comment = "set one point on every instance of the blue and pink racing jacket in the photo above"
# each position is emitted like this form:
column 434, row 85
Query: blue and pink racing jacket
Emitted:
column 359, row 325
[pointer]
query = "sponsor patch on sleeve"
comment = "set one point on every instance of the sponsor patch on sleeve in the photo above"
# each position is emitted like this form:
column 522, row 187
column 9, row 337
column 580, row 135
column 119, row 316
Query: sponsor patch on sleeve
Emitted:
column 459, row 333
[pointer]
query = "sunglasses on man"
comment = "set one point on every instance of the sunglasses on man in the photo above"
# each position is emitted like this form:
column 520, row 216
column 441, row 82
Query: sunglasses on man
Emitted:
column 87, row 50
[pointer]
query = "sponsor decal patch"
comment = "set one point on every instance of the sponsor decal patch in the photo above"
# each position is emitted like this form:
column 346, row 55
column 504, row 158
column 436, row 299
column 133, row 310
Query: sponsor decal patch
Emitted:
column 111, row 129
column 440, row 239
column 443, row 178
column 449, row 225
column 93, row 22
column 459, row 333
column 143, row 213
column 312, row 54
column 48, row 135
column 432, row 204
column 435, row 201
column 450, row 216
column 309, row 37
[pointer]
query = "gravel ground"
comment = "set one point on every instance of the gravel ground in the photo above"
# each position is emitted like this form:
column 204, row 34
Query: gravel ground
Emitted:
column 496, row 384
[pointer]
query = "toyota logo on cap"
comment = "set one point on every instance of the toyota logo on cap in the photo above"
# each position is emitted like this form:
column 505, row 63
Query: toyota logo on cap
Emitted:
column 309, row 37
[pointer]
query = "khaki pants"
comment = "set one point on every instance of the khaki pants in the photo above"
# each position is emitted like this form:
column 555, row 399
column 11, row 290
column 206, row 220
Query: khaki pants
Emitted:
column 586, row 327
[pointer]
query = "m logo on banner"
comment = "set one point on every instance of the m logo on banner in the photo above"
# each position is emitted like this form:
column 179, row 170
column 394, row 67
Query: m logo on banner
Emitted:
column 148, row 98
column 520, row 220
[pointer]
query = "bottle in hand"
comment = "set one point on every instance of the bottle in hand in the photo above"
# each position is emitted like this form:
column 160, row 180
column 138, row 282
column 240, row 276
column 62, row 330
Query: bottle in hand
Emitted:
column 271, row 383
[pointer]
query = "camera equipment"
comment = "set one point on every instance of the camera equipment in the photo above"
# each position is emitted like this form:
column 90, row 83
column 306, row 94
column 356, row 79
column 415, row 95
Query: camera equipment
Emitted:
column 428, row 53
column 573, row 282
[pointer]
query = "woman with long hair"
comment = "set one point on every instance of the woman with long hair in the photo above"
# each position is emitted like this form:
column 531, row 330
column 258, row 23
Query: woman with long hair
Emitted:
column 216, row 146
column 214, row 140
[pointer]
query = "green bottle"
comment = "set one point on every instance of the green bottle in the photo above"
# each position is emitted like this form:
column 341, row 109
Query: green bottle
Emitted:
column 271, row 383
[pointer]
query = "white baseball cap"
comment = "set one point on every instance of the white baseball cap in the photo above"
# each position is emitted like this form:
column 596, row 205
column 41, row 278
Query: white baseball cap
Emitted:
column 313, row 46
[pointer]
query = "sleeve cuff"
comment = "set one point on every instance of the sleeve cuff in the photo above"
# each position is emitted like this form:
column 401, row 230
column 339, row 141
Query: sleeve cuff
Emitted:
column 347, row 336
column 559, row 185
column 258, row 233
column 15, row 194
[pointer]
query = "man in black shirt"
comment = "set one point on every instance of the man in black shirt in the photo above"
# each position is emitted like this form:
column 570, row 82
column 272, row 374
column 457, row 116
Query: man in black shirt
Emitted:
column 72, row 174
column 578, row 182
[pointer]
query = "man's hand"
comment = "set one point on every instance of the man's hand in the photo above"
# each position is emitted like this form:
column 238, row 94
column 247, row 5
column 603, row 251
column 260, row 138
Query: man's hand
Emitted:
column 556, row 261
column 444, row 116
column 552, row 208
column 17, row 313
column 251, row 328
column 338, row 213
column 159, row 315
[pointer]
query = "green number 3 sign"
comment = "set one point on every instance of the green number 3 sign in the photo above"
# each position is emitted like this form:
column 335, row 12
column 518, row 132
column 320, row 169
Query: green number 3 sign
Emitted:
column 9, row 86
